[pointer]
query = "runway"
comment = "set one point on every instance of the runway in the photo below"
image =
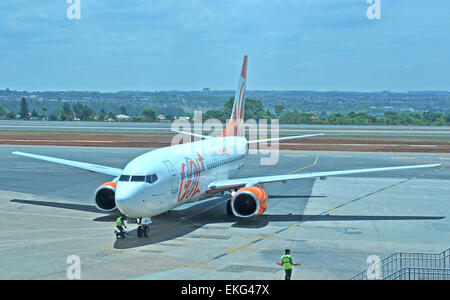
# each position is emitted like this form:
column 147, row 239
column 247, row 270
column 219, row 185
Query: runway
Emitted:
column 331, row 226
column 164, row 127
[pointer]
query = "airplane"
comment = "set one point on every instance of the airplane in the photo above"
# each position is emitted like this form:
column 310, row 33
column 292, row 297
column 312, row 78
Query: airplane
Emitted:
column 162, row 179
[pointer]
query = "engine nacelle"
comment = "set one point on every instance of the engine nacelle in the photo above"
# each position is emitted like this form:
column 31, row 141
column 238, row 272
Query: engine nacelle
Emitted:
column 105, row 197
column 249, row 202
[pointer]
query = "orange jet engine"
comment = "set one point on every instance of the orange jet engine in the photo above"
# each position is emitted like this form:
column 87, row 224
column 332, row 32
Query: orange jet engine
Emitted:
column 249, row 202
column 105, row 197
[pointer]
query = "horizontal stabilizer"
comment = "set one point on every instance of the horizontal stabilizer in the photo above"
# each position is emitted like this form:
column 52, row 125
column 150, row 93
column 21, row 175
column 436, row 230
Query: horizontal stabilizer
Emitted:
column 285, row 138
column 192, row 134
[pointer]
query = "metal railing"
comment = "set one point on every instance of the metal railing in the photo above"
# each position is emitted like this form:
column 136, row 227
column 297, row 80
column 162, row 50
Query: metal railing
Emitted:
column 413, row 264
column 419, row 274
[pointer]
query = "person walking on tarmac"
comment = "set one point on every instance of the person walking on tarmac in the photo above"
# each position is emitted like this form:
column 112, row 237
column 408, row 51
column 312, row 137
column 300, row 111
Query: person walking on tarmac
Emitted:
column 120, row 223
column 286, row 263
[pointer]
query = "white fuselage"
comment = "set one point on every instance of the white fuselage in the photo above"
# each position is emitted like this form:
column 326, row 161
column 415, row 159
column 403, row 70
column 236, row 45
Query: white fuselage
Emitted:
column 162, row 179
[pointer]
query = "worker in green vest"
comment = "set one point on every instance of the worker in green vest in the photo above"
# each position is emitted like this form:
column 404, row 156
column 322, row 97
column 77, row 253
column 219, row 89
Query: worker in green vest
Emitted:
column 120, row 223
column 286, row 263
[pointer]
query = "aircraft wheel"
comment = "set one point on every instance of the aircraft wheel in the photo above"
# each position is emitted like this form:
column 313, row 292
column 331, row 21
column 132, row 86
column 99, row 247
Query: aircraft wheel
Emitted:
column 146, row 231
column 140, row 232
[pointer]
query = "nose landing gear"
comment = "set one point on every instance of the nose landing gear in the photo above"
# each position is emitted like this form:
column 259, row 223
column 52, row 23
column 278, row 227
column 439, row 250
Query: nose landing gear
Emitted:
column 144, row 227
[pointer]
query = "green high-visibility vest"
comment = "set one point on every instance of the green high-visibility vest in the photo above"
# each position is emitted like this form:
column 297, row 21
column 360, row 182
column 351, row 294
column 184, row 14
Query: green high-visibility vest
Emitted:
column 286, row 260
column 119, row 221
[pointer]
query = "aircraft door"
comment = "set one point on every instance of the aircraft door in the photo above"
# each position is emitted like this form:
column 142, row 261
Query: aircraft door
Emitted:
column 173, row 175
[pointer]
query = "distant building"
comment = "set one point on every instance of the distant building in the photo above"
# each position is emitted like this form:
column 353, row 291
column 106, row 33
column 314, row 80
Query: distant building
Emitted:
column 161, row 117
column 122, row 117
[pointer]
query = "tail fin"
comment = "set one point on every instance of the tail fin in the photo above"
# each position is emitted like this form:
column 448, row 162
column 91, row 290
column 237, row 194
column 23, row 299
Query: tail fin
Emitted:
column 235, row 126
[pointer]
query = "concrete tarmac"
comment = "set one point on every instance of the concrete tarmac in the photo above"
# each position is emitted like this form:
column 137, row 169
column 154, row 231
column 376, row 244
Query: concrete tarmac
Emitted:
column 331, row 226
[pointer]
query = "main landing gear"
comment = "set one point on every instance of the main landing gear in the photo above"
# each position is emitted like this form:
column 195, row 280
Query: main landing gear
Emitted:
column 143, row 229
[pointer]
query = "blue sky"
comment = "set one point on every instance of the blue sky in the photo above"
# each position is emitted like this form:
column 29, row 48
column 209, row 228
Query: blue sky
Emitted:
column 191, row 44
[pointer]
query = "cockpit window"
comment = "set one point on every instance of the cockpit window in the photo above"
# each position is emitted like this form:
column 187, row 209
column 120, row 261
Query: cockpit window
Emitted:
column 151, row 178
column 137, row 178
column 124, row 178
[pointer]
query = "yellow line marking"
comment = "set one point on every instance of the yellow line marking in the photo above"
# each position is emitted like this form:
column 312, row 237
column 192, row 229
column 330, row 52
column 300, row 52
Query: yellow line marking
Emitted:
column 292, row 226
column 263, row 238
column 315, row 162
column 403, row 157
column 248, row 249
column 311, row 165
column 204, row 263
column 240, row 248
column 444, row 158
column 299, row 169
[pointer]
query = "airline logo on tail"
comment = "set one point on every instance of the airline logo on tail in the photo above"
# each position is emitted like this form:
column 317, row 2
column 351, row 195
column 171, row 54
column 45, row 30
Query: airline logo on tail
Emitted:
column 234, row 127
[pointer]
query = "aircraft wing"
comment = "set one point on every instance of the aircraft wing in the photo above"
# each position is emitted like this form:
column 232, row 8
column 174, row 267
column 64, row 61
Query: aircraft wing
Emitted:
column 81, row 165
column 229, row 184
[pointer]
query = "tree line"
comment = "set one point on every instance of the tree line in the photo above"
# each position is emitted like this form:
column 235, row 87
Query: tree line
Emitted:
column 76, row 112
column 254, row 109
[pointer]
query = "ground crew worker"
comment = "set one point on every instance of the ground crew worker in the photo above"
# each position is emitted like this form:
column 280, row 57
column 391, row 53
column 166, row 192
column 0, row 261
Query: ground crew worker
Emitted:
column 120, row 223
column 286, row 263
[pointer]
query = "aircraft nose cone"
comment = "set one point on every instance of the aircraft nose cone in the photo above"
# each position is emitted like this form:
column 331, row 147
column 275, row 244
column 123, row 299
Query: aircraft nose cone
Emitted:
column 127, row 200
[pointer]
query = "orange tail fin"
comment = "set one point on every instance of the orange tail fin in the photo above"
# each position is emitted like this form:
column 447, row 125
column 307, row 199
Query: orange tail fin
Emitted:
column 235, row 125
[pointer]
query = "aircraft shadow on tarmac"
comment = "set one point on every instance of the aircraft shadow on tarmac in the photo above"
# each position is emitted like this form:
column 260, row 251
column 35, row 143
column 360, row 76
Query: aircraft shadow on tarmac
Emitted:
column 182, row 222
